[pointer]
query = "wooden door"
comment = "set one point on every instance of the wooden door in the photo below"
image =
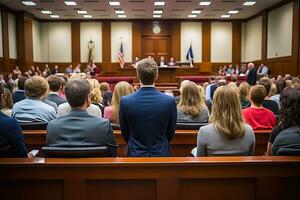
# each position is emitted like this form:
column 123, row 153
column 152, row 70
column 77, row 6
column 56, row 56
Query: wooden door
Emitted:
column 156, row 47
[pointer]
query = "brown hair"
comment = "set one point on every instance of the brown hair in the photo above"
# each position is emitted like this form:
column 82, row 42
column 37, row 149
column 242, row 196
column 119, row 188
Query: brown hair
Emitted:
column 104, row 87
column 258, row 94
column 244, row 90
column 147, row 71
column 36, row 87
column 266, row 82
column 226, row 113
column 55, row 83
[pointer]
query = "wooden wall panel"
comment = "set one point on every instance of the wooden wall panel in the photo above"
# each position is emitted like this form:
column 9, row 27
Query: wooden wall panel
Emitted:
column 106, row 48
column 236, row 42
column 206, row 40
column 176, row 32
column 296, row 39
column 136, row 40
column 5, row 67
column 75, row 31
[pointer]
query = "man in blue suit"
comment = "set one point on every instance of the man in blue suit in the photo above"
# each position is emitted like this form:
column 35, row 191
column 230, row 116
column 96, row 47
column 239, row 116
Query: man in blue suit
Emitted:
column 148, row 117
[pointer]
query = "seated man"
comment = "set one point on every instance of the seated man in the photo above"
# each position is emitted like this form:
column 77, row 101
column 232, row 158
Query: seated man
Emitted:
column 19, row 94
column 55, row 85
column 33, row 109
column 268, row 103
column 172, row 62
column 257, row 116
column 78, row 128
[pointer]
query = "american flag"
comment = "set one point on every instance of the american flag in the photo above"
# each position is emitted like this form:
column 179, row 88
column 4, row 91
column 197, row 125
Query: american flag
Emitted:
column 121, row 56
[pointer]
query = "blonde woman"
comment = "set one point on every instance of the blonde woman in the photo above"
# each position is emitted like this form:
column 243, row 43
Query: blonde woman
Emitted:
column 227, row 134
column 192, row 107
column 244, row 92
column 95, row 94
column 112, row 112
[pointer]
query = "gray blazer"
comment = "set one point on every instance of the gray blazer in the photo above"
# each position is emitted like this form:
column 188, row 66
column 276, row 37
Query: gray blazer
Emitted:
column 78, row 128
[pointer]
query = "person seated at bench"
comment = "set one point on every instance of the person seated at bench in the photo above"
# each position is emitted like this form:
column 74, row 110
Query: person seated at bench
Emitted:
column 289, row 136
column 33, row 109
column 268, row 103
column 227, row 134
column 192, row 107
column 257, row 116
column 55, row 85
column 11, row 136
column 78, row 128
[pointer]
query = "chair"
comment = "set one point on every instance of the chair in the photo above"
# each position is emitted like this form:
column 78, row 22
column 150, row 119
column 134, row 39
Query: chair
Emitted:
column 189, row 125
column 33, row 125
column 288, row 152
column 76, row 152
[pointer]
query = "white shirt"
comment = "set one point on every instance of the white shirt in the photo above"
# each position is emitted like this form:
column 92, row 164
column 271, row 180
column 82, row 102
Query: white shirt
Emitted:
column 65, row 108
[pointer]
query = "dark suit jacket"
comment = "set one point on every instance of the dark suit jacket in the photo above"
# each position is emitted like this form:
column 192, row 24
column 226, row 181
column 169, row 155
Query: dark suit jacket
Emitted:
column 252, row 76
column 148, row 122
column 79, row 129
column 56, row 99
column 11, row 138
column 18, row 95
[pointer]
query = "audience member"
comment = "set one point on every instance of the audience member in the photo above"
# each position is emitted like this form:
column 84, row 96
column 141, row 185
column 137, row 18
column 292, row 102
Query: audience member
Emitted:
column 78, row 128
column 172, row 62
column 262, row 70
column 227, row 134
column 33, row 109
column 55, row 85
column 268, row 103
column 55, row 70
column 192, row 107
column 280, row 85
column 112, row 112
column 19, row 94
column 16, row 72
column 95, row 94
column 257, row 116
column 106, row 93
column 148, row 117
column 183, row 83
column 212, row 82
column 289, row 136
column 69, row 70
column 7, row 102
column 243, row 94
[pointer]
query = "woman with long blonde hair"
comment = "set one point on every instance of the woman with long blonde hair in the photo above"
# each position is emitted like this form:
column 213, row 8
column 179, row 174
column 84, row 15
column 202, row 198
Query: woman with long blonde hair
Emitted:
column 227, row 133
column 122, row 88
column 192, row 107
column 95, row 94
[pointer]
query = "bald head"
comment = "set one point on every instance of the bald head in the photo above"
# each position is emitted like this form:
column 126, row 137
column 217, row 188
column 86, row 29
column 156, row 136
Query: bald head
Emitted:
column 251, row 65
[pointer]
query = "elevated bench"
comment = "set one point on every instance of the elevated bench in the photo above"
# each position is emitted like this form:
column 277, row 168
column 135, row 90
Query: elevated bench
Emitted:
column 214, row 178
column 182, row 144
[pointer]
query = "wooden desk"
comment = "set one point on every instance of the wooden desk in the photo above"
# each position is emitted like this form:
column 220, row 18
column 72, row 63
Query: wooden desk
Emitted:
column 226, row 178
column 182, row 144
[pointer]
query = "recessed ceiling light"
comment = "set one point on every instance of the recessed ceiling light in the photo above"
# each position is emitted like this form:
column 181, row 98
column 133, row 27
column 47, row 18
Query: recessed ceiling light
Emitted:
column 233, row 12
column 204, row 3
column 46, row 12
column 54, row 16
column 156, row 16
column 87, row 16
column 196, row 11
column 249, row 3
column 122, row 16
column 120, row 12
column 81, row 12
column 157, row 12
column 114, row 3
column 192, row 16
column 225, row 16
column 70, row 3
column 28, row 3
column 159, row 3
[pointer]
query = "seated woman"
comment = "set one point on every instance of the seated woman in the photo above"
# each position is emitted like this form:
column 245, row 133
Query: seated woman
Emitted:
column 33, row 109
column 227, row 134
column 192, row 107
column 95, row 94
column 7, row 101
column 11, row 136
column 112, row 112
column 243, row 92
column 289, row 127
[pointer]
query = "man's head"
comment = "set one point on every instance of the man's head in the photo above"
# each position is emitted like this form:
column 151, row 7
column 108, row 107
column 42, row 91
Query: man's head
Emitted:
column 55, row 83
column 21, row 82
column 250, row 65
column 266, row 82
column 257, row 94
column 147, row 71
column 36, row 87
column 77, row 93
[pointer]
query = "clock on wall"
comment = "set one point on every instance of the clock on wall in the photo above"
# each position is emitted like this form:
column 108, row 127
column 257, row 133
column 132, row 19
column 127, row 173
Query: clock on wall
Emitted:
column 156, row 29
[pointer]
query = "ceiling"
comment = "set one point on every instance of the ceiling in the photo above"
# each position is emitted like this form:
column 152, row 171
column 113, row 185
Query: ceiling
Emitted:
column 141, row 9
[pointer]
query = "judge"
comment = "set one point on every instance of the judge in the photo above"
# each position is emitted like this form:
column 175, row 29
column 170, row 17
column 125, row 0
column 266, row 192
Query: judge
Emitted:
column 172, row 62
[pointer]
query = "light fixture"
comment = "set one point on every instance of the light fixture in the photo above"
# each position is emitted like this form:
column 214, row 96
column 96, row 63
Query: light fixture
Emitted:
column 204, row 3
column 87, row 16
column 233, row 12
column 114, row 3
column 122, row 16
column 159, row 3
column 54, row 16
column 70, row 3
column 192, row 16
column 249, row 3
column 47, row 12
column 28, row 3
column 156, row 16
column 225, row 16
column 81, row 12
column 157, row 12
column 196, row 11
column 120, row 12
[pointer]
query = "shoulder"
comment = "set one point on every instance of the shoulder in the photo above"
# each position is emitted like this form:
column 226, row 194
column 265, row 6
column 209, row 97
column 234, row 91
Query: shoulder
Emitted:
column 207, row 129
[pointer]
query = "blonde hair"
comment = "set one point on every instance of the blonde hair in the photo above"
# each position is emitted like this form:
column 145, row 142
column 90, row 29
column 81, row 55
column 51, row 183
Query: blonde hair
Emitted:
column 244, row 90
column 36, row 87
column 192, row 100
column 7, row 100
column 95, row 91
column 122, row 88
column 272, row 90
column 226, row 113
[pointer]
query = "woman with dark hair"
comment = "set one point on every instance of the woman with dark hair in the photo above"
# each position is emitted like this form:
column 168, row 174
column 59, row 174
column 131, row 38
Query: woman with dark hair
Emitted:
column 287, row 132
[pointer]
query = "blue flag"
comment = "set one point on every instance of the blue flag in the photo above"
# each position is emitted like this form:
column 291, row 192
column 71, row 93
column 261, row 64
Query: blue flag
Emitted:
column 190, row 55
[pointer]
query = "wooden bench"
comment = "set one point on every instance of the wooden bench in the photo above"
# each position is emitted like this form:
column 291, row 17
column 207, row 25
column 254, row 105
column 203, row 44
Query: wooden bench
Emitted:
column 182, row 144
column 214, row 178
